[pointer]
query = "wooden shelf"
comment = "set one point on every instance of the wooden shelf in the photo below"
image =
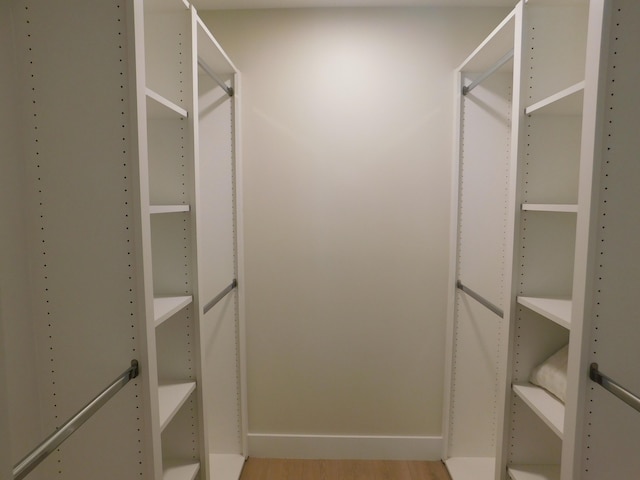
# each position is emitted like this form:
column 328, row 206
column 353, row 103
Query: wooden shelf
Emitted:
column 534, row 472
column 160, row 107
column 155, row 209
column 565, row 102
column 172, row 397
column 550, row 207
column 557, row 310
column 543, row 404
column 180, row 470
column 165, row 307
column 226, row 466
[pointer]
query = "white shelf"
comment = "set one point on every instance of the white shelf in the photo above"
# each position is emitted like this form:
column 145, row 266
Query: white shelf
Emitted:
column 180, row 470
column 534, row 472
column 226, row 466
column 165, row 307
column 160, row 107
column 211, row 53
column 172, row 397
column 549, row 207
column 545, row 405
column 494, row 47
column 565, row 102
column 555, row 309
column 155, row 209
column 471, row 468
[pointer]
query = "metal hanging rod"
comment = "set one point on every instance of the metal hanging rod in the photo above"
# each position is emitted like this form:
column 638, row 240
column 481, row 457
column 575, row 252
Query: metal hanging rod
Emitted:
column 220, row 296
column 215, row 78
column 618, row 390
column 480, row 299
column 48, row 446
column 508, row 56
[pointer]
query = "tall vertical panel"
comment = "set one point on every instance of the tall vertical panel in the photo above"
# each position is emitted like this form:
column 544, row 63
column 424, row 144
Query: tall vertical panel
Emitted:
column 612, row 428
column 74, row 78
column 483, row 189
column 217, row 267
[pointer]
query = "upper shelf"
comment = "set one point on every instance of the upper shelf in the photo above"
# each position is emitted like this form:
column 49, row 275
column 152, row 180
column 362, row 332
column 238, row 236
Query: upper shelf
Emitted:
column 165, row 307
column 160, row 107
column 211, row 53
column 564, row 102
column 172, row 397
column 493, row 48
column 555, row 309
column 550, row 207
column 156, row 209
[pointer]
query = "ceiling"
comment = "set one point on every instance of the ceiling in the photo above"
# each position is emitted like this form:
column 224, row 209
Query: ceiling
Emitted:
column 253, row 4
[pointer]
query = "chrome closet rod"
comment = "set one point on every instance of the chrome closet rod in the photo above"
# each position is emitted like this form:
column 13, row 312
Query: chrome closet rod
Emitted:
column 480, row 299
column 220, row 296
column 215, row 78
column 48, row 446
column 508, row 56
column 618, row 390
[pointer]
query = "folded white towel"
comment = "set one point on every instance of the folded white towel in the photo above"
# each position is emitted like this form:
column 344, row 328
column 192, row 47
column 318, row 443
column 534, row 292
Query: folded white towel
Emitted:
column 552, row 374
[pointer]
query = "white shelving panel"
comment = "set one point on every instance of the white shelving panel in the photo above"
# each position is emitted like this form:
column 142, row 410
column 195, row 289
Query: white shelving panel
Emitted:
column 545, row 405
column 156, row 209
column 165, row 307
column 556, row 309
column 534, row 472
column 565, row 102
column 180, row 471
column 160, row 107
column 171, row 398
column 471, row 468
column 550, row 207
column 226, row 466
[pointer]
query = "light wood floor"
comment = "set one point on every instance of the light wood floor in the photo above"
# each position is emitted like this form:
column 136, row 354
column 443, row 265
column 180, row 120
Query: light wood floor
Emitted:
column 278, row 469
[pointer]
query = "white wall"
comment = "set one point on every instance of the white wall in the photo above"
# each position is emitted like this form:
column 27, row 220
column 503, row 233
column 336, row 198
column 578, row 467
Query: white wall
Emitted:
column 347, row 141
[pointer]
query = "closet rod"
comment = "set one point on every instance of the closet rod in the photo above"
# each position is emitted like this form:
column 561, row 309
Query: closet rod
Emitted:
column 48, row 446
column 618, row 390
column 508, row 56
column 220, row 296
column 215, row 78
column 480, row 299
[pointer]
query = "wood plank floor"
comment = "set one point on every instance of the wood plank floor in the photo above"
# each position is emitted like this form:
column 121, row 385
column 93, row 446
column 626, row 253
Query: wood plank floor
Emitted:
column 279, row 469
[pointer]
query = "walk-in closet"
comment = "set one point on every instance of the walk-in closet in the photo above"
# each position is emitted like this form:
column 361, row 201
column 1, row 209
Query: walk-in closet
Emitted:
column 386, row 230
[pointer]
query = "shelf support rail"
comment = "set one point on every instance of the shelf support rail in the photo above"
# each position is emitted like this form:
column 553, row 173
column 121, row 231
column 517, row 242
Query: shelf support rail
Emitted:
column 480, row 299
column 220, row 296
column 51, row 443
column 215, row 78
column 618, row 390
column 508, row 56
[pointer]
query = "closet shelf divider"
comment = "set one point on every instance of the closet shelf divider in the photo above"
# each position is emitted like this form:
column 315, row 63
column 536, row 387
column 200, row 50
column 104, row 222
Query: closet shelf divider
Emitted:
column 161, row 107
column 165, row 307
column 557, row 310
column 564, row 102
column 172, row 397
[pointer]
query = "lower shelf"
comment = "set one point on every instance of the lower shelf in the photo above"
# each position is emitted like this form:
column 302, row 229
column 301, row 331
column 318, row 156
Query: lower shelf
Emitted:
column 180, row 471
column 471, row 468
column 226, row 466
column 545, row 405
column 534, row 472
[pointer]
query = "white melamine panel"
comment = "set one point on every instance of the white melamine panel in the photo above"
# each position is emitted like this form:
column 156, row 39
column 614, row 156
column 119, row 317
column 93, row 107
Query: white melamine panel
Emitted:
column 550, row 207
column 78, row 152
column 565, row 102
column 154, row 209
column 471, row 468
column 164, row 307
column 216, row 212
column 556, row 309
column 482, row 192
column 534, row 472
column 226, row 466
column 612, row 428
column 160, row 107
column 545, row 405
column 555, row 41
column 180, row 471
column 172, row 397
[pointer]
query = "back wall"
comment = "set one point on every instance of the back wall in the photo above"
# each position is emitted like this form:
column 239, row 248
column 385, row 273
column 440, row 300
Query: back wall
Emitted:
column 347, row 137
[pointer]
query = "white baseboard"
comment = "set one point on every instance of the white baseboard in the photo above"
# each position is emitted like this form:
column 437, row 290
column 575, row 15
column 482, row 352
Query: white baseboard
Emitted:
column 355, row 447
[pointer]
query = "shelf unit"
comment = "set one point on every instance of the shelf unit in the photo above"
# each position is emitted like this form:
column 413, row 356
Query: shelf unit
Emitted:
column 570, row 187
column 480, row 232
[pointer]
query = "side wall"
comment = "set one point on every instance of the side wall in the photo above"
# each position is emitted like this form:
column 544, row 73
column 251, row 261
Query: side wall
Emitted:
column 347, row 137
